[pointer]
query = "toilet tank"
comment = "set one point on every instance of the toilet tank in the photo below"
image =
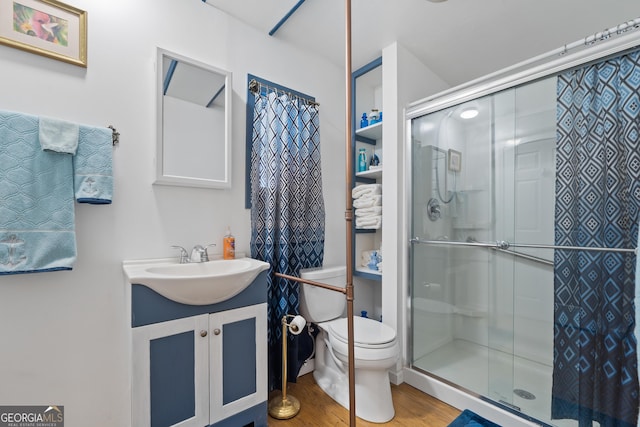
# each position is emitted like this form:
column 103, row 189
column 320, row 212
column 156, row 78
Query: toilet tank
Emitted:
column 318, row 304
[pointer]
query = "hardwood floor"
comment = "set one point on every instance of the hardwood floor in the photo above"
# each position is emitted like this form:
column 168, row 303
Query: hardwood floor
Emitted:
column 317, row 409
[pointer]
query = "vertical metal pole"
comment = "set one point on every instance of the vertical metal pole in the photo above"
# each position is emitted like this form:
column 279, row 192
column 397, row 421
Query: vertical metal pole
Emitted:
column 349, row 215
column 284, row 358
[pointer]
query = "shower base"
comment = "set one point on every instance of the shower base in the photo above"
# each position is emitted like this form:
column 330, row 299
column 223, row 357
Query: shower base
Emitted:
column 469, row 366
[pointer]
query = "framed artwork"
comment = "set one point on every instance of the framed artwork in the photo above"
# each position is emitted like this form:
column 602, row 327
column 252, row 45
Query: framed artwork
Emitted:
column 46, row 27
column 455, row 160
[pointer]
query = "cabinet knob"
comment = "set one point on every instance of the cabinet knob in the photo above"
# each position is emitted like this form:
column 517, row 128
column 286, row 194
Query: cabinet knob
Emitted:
column 216, row 331
column 203, row 333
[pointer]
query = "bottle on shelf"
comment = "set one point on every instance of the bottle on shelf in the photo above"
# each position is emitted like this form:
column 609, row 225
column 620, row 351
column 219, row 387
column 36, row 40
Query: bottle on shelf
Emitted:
column 362, row 160
column 373, row 261
column 374, row 117
column 364, row 122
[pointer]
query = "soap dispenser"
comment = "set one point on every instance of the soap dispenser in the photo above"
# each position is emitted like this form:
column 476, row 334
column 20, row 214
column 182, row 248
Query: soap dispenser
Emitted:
column 228, row 245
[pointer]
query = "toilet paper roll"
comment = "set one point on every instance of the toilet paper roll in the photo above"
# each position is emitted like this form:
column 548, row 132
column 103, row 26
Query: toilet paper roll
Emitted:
column 297, row 325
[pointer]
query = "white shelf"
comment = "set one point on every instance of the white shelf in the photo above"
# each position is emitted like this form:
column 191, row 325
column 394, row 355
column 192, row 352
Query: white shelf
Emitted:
column 470, row 311
column 472, row 226
column 369, row 271
column 375, row 174
column 373, row 131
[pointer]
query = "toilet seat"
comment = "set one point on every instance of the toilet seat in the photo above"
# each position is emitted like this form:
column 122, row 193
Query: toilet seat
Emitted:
column 372, row 340
column 367, row 333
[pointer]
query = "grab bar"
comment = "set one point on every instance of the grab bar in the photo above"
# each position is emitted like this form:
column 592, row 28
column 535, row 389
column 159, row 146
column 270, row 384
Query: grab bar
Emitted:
column 497, row 246
column 525, row 256
column 519, row 254
column 504, row 245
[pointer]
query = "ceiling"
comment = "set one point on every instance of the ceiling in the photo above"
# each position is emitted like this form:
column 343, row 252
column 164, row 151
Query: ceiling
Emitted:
column 459, row 40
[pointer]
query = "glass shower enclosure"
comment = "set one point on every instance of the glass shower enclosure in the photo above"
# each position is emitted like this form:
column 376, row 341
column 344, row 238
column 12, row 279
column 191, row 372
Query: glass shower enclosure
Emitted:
column 481, row 278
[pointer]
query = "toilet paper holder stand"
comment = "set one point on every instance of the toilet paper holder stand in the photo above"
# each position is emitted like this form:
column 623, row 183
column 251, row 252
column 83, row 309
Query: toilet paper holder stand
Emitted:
column 286, row 406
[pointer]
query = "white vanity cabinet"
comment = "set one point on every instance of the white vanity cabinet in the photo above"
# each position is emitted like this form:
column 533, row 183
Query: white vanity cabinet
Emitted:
column 199, row 365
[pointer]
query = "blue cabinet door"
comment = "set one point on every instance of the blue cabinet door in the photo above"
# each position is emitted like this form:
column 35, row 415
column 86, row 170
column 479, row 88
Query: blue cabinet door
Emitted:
column 238, row 364
column 170, row 373
column 209, row 369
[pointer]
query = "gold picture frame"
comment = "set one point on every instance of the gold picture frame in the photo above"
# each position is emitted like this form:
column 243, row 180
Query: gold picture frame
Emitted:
column 45, row 27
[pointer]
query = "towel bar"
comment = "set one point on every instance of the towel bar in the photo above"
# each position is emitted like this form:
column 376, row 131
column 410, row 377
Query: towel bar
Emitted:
column 115, row 136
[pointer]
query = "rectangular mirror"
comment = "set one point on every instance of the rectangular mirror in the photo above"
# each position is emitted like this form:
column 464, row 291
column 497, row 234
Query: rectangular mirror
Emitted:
column 193, row 123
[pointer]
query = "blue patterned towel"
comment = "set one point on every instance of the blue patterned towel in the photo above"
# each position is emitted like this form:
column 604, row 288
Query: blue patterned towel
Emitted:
column 37, row 224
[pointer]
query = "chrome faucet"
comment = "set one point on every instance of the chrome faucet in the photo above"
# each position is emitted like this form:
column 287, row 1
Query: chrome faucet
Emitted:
column 198, row 254
column 184, row 256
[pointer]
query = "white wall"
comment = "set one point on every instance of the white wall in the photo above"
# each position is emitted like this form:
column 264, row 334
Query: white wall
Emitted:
column 65, row 335
column 405, row 79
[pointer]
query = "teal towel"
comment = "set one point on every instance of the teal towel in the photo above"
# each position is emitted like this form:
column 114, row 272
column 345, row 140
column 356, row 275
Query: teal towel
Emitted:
column 37, row 191
column 92, row 166
column 58, row 135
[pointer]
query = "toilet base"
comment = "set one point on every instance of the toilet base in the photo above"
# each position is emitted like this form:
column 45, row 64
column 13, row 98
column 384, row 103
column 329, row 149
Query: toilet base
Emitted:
column 373, row 389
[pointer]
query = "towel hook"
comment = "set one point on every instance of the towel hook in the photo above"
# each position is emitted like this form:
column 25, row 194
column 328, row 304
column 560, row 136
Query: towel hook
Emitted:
column 115, row 135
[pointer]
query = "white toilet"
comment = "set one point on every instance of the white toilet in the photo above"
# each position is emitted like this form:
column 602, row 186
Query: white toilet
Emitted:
column 375, row 348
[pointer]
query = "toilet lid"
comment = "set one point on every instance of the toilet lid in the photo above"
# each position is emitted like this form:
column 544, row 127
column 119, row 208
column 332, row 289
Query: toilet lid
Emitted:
column 366, row 331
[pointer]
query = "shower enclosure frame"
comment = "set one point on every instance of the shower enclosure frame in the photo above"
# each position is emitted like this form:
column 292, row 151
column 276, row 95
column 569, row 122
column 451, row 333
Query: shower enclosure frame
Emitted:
column 525, row 72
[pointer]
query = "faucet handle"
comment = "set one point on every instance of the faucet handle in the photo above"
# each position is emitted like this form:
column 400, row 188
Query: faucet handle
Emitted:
column 197, row 254
column 206, row 253
column 184, row 256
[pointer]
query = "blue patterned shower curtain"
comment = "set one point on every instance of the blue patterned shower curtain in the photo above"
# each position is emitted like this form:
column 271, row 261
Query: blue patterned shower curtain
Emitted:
column 595, row 373
column 287, row 208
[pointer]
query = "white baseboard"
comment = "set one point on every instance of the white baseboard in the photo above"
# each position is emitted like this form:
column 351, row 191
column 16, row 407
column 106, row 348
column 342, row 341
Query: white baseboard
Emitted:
column 396, row 377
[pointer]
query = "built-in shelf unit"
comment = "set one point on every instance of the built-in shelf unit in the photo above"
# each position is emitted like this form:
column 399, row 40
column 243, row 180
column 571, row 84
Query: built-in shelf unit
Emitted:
column 367, row 95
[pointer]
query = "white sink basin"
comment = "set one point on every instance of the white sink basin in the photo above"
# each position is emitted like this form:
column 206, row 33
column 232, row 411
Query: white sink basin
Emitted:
column 195, row 283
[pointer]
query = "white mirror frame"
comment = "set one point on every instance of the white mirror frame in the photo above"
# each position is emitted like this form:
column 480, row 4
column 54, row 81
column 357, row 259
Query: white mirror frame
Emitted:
column 164, row 178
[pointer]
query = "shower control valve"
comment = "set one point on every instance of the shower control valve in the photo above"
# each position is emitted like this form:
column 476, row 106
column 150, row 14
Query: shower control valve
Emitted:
column 433, row 209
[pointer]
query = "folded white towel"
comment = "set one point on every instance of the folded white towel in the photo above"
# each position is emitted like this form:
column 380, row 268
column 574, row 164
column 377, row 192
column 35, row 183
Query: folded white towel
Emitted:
column 369, row 222
column 58, row 135
column 366, row 189
column 367, row 201
column 372, row 211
